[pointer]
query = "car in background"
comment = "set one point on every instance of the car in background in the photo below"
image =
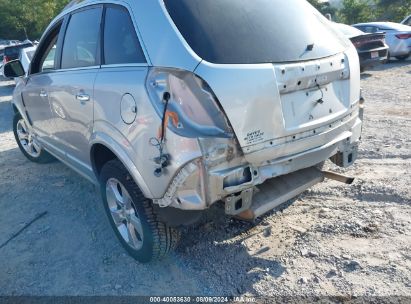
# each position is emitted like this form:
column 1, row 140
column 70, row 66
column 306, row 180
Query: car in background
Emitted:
column 4, row 43
column 407, row 21
column 371, row 47
column 397, row 36
column 13, row 52
column 26, row 55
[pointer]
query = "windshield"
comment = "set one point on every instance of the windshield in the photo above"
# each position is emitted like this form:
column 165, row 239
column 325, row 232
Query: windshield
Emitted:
column 257, row 31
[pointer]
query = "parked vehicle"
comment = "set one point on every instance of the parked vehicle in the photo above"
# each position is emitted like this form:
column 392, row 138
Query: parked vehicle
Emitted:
column 13, row 52
column 169, row 114
column 397, row 36
column 371, row 48
column 4, row 43
column 407, row 21
column 26, row 55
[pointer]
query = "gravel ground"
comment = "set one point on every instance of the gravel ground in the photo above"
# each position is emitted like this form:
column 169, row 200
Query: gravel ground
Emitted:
column 334, row 240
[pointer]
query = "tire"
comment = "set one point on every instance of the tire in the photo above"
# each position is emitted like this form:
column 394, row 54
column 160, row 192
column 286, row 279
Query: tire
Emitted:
column 132, row 216
column 27, row 142
column 402, row 58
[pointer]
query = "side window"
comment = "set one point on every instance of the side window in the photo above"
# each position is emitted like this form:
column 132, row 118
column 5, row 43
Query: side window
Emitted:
column 121, row 44
column 81, row 43
column 45, row 58
column 49, row 60
column 371, row 29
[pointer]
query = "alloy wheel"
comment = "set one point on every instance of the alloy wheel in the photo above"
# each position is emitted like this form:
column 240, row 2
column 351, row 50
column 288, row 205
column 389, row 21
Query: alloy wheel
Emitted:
column 124, row 213
column 27, row 140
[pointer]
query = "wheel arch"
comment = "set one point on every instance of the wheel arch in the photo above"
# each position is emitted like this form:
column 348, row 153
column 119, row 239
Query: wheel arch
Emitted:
column 104, row 148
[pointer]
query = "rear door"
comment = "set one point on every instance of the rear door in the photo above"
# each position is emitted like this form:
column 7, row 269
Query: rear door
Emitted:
column 120, row 84
column 71, row 92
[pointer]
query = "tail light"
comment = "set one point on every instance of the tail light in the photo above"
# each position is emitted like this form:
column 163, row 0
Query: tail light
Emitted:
column 194, row 109
column 403, row 36
column 5, row 59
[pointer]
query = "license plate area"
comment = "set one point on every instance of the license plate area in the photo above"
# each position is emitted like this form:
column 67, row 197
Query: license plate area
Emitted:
column 311, row 107
column 374, row 55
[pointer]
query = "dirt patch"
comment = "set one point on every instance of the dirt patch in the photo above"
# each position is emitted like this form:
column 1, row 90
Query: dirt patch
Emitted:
column 334, row 240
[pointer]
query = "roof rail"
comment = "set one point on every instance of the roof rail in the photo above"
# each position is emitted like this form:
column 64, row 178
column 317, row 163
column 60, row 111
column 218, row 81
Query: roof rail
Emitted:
column 72, row 3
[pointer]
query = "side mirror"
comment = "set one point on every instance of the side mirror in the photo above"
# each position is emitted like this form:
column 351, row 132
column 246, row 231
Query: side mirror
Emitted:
column 13, row 69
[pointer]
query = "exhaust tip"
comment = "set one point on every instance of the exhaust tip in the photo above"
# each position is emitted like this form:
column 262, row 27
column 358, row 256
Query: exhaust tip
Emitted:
column 338, row 177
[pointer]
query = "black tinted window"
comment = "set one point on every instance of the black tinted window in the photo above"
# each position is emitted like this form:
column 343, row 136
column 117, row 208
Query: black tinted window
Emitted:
column 80, row 47
column 14, row 51
column 254, row 31
column 121, row 44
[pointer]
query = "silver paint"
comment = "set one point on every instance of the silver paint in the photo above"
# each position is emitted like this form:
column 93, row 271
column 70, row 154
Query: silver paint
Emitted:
column 274, row 109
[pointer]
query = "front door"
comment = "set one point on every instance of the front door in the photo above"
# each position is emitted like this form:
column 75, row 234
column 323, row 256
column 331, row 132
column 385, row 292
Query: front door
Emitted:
column 36, row 91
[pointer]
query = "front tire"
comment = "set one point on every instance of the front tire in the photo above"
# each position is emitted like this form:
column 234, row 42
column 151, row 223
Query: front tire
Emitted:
column 27, row 142
column 132, row 216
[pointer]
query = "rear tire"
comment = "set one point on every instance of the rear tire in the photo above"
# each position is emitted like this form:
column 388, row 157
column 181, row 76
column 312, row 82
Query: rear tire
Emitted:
column 132, row 216
column 27, row 142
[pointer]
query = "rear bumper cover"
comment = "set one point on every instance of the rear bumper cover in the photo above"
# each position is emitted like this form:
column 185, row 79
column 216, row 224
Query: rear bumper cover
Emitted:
column 198, row 186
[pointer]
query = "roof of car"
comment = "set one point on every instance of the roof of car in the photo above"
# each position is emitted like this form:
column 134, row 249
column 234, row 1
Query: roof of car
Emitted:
column 75, row 3
column 389, row 25
column 72, row 3
column 29, row 48
column 348, row 31
column 19, row 46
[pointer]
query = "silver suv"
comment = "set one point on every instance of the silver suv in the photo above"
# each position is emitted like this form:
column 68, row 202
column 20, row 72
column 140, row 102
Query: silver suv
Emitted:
column 173, row 106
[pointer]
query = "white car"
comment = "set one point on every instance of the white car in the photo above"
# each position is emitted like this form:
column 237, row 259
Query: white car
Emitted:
column 397, row 36
column 25, row 57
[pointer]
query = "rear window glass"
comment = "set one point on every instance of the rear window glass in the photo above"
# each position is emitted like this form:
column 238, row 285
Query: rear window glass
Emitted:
column 121, row 44
column 349, row 31
column 257, row 31
column 14, row 51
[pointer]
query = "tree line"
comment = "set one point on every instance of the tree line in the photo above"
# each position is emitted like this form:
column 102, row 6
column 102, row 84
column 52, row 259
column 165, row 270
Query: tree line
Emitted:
column 356, row 11
column 21, row 19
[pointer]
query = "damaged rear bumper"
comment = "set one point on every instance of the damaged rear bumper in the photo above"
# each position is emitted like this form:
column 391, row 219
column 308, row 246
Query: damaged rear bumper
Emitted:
column 249, row 181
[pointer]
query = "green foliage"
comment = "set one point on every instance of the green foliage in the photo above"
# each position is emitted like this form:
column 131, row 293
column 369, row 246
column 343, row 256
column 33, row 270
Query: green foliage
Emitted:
column 393, row 10
column 19, row 18
column 355, row 11
column 323, row 7
column 28, row 18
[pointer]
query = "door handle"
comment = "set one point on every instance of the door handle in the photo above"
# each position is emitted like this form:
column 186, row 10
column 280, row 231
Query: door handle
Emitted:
column 43, row 93
column 83, row 97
